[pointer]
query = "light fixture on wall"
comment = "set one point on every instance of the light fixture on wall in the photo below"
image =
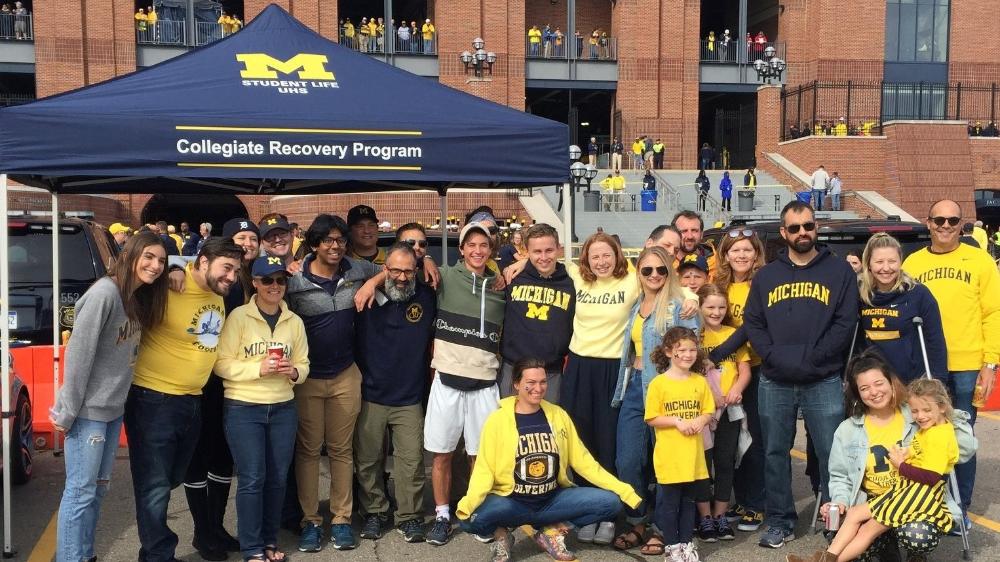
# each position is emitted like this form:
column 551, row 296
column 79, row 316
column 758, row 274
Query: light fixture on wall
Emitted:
column 479, row 59
column 770, row 66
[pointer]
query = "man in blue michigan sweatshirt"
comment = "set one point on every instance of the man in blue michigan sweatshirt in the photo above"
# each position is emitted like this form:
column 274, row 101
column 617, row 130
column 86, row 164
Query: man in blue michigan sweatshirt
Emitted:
column 800, row 316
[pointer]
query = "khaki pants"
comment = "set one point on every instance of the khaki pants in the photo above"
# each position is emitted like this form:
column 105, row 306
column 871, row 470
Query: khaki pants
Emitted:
column 328, row 410
column 407, row 424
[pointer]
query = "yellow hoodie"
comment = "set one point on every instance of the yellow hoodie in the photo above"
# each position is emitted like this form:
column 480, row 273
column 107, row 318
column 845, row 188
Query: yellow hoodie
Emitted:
column 494, row 471
column 966, row 284
column 243, row 346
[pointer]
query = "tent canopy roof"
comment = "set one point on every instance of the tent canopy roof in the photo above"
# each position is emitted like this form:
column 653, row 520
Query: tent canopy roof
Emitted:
column 275, row 108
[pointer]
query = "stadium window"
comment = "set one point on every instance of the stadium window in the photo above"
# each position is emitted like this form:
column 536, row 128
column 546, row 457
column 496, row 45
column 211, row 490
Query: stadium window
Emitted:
column 917, row 30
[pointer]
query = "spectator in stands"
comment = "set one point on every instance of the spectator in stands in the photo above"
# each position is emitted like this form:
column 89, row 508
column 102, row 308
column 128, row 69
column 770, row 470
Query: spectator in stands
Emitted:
column 427, row 30
column 140, row 23
column 726, row 191
column 760, row 42
column 364, row 34
column 637, row 145
column 559, row 39
column 991, row 130
column 820, row 182
column 592, row 149
column 840, row 129
column 835, row 190
column 403, row 34
column 617, row 149
column 6, row 22
column 415, row 43
column 547, row 41
column 710, row 52
column 595, row 40
column 151, row 19
column 647, row 152
column 704, row 185
column 380, row 35
column 578, row 37
column 658, row 152
column 723, row 161
column 724, row 42
column 348, row 33
column 707, row 155
column 975, row 129
column 605, row 42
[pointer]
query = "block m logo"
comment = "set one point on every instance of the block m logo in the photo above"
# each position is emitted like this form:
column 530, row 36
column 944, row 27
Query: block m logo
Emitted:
column 261, row 66
column 537, row 312
column 878, row 323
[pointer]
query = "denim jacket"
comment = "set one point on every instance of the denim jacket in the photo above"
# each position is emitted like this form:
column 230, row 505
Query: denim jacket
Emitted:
column 850, row 453
column 650, row 340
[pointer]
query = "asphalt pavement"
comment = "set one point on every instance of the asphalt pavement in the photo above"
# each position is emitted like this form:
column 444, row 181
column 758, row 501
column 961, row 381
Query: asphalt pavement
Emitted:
column 35, row 506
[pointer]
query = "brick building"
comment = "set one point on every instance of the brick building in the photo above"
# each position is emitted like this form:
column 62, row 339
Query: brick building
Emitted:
column 920, row 71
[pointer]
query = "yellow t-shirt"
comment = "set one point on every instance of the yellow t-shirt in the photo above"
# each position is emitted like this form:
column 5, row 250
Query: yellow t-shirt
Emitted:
column 738, row 293
column 177, row 356
column 712, row 339
column 636, row 334
column 534, row 36
column 880, row 474
column 678, row 457
column 378, row 258
column 934, row 448
column 428, row 31
column 151, row 17
column 966, row 284
column 602, row 311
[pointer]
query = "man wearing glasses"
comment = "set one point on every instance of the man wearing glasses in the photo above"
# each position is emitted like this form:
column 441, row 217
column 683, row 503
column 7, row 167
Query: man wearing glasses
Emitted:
column 800, row 316
column 393, row 385
column 965, row 282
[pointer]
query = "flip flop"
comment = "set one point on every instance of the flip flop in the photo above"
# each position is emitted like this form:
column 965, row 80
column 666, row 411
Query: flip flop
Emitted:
column 651, row 548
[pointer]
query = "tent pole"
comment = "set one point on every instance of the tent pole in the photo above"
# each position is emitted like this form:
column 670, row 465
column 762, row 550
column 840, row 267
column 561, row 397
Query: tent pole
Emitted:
column 568, row 201
column 8, row 549
column 56, row 305
column 444, row 229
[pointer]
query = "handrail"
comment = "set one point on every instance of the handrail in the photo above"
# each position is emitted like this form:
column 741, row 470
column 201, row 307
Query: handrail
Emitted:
column 17, row 27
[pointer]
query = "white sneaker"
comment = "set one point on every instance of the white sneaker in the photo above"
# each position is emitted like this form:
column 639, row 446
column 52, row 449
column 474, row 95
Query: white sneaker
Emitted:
column 586, row 533
column 675, row 553
column 605, row 533
column 690, row 552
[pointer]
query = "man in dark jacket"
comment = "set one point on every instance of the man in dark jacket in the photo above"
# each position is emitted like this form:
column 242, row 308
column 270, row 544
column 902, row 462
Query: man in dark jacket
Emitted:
column 539, row 312
column 800, row 316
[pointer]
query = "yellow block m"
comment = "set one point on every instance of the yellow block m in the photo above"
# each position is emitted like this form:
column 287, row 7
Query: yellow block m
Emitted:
column 309, row 67
column 538, row 312
column 878, row 323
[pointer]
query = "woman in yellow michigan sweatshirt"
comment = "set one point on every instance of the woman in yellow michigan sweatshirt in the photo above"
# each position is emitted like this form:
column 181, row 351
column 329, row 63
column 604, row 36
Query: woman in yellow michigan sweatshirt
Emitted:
column 520, row 477
column 262, row 353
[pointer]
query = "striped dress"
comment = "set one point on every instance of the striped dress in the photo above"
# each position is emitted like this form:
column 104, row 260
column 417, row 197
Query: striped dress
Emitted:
column 934, row 449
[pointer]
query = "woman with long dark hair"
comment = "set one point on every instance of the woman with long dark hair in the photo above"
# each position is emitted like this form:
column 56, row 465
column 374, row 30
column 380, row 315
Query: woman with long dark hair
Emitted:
column 110, row 318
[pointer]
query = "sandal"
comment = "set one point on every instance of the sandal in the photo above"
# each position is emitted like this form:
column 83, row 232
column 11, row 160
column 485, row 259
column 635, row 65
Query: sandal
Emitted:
column 256, row 558
column 628, row 540
column 272, row 554
column 654, row 548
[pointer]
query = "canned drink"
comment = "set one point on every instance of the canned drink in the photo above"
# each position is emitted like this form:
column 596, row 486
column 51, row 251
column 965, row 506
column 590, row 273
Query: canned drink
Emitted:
column 833, row 518
column 275, row 350
column 978, row 397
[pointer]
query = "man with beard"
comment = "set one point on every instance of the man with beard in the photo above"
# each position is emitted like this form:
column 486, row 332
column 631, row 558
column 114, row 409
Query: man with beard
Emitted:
column 163, row 410
column 394, row 382
column 800, row 317
column 276, row 240
column 691, row 228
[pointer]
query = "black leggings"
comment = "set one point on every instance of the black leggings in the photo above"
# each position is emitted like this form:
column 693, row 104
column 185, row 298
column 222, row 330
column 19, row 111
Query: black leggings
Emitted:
column 723, row 453
column 675, row 510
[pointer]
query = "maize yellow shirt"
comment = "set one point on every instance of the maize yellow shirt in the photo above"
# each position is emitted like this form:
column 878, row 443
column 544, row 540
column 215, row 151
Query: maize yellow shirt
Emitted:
column 934, row 448
column 738, row 293
column 535, row 35
column 602, row 311
column 177, row 356
column 966, row 284
column 428, row 31
column 880, row 474
column 712, row 339
column 678, row 457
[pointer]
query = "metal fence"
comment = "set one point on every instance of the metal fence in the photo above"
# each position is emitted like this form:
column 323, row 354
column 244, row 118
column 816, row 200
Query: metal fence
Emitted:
column 15, row 99
column 576, row 48
column 163, row 32
column 208, row 31
column 16, row 27
column 737, row 51
column 392, row 43
column 852, row 108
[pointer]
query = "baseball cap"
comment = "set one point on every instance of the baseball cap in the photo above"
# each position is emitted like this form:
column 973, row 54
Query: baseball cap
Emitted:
column 470, row 227
column 360, row 212
column 693, row 260
column 482, row 216
column 273, row 223
column 235, row 226
column 118, row 227
column 267, row 265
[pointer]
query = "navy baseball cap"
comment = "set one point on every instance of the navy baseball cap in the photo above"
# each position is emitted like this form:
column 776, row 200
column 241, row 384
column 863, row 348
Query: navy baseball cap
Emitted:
column 236, row 226
column 274, row 223
column 267, row 265
column 693, row 260
column 359, row 213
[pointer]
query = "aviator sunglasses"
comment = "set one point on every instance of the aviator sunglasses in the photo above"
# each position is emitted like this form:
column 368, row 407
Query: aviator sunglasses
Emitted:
column 267, row 281
column 416, row 243
column 661, row 270
column 952, row 221
column 807, row 226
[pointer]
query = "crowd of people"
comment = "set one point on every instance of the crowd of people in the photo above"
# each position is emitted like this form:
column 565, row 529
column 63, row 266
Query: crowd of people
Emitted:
column 147, row 24
column 664, row 390
column 976, row 129
column 15, row 22
column 723, row 47
column 549, row 42
column 369, row 36
column 864, row 127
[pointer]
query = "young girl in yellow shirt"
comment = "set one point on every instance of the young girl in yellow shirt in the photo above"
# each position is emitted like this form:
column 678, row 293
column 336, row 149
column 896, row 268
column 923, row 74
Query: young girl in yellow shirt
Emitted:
column 679, row 406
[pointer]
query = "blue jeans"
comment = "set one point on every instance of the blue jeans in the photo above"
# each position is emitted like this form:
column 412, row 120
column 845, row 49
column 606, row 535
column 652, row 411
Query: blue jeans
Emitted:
column 533, row 49
column 835, row 201
column 262, row 439
column 428, row 46
column 822, row 408
column 634, row 443
column 961, row 386
column 90, row 456
column 817, row 199
column 163, row 432
column 748, row 487
column 579, row 506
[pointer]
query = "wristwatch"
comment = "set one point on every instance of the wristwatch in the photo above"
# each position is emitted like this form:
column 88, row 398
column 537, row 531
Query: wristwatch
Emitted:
column 991, row 366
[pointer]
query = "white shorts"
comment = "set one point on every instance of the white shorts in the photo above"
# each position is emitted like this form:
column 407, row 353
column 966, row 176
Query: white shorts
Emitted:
column 453, row 413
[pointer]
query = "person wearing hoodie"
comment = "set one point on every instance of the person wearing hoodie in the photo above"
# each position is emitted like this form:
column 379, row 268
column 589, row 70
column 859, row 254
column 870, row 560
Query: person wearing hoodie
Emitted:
column 890, row 300
column 800, row 317
column 470, row 315
column 528, row 446
column 726, row 190
column 539, row 312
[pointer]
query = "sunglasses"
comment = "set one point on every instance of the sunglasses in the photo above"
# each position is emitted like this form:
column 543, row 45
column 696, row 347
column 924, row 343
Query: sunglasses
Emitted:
column 661, row 270
column 267, row 281
column 416, row 243
column 952, row 221
column 807, row 226
column 736, row 233
column 494, row 229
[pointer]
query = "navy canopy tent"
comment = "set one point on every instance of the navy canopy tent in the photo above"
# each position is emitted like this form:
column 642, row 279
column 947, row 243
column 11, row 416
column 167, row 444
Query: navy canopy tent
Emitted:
column 272, row 109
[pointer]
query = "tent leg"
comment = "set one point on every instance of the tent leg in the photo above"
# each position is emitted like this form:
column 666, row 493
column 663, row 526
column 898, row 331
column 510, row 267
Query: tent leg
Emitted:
column 56, row 305
column 8, row 548
column 567, row 221
column 444, row 229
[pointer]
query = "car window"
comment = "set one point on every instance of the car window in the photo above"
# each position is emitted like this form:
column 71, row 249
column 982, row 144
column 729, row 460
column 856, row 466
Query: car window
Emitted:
column 30, row 254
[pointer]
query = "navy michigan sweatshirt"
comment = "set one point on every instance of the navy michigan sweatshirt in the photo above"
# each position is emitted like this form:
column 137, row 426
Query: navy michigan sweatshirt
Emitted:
column 538, row 322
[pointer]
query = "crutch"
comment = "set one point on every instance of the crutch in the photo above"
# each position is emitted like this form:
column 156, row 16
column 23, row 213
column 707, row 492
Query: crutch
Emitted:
column 847, row 364
column 952, row 480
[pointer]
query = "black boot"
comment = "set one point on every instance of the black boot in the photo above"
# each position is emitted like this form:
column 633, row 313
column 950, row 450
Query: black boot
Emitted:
column 204, row 541
column 218, row 500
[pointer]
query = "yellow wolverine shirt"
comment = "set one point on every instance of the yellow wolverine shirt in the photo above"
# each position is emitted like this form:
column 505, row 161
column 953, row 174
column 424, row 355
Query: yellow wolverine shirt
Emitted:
column 880, row 474
column 678, row 457
column 966, row 284
column 934, row 448
column 602, row 311
column 177, row 356
column 712, row 339
column 738, row 293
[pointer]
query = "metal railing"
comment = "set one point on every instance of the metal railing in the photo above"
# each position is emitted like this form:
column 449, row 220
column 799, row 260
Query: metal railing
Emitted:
column 206, row 32
column 15, row 99
column 546, row 47
column 737, row 52
column 391, row 43
column 575, row 48
column 853, row 108
column 18, row 27
column 163, row 32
